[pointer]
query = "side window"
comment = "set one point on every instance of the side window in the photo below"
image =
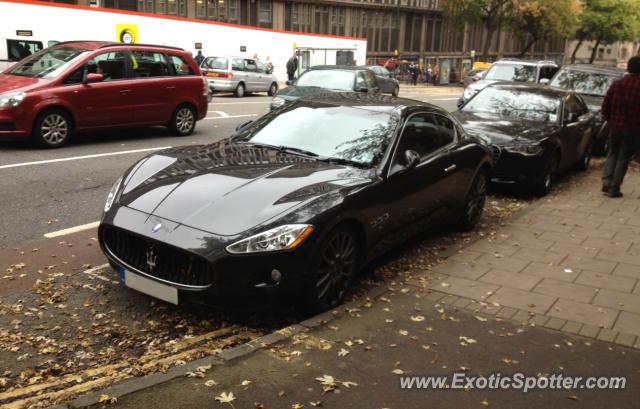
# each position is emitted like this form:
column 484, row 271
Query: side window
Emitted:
column 237, row 64
column 110, row 65
column 569, row 108
column 384, row 72
column 371, row 80
column 180, row 67
column 581, row 105
column 425, row 133
column 250, row 65
column 361, row 81
column 17, row 49
column 147, row 64
column 76, row 76
column 261, row 67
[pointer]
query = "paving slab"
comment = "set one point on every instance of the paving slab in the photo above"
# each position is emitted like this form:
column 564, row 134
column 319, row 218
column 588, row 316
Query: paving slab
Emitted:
column 540, row 256
column 503, row 263
column 627, row 270
column 565, row 290
column 584, row 313
column 606, row 281
column 509, row 279
column 523, row 300
column 618, row 300
column 628, row 323
column 468, row 270
column 467, row 288
column 589, row 263
column 550, row 271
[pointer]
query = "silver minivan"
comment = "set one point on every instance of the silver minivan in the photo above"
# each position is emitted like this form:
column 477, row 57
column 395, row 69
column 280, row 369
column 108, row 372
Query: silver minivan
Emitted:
column 239, row 75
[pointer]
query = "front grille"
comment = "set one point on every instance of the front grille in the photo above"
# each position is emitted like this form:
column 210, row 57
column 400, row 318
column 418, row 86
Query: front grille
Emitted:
column 495, row 151
column 158, row 259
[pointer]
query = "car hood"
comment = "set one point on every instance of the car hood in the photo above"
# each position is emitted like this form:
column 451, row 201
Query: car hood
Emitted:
column 227, row 188
column 16, row 83
column 481, row 84
column 501, row 131
column 594, row 102
column 294, row 92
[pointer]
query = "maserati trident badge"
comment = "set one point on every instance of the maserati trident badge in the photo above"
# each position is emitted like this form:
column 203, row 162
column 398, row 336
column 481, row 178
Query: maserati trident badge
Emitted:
column 152, row 258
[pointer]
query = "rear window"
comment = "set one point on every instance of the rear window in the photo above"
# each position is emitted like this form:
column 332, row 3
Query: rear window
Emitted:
column 216, row 63
column 341, row 80
column 19, row 49
column 180, row 66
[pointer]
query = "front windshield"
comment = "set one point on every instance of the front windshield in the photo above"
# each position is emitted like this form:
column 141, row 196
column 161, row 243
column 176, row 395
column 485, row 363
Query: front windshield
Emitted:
column 331, row 79
column 353, row 134
column 584, row 82
column 49, row 63
column 511, row 72
column 514, row 103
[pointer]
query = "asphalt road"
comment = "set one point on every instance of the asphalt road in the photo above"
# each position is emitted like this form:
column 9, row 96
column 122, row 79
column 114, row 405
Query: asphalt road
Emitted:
column 41, row 194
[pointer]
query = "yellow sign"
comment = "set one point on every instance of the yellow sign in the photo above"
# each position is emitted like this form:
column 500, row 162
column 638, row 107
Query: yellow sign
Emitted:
column 295, row 45
column 127, row 33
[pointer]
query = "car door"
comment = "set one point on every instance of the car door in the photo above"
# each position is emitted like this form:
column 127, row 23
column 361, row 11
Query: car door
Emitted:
column 239, row 72
column 152, row 88
column 571, row 132
column 100, row 104
column 420, row 193
column 372, row 82
column 253, row 77
column 264, row 79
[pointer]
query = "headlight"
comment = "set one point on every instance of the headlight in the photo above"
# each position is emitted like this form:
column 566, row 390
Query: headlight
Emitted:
column 285, row 237
column 277, row 102
column 528, row 149
column 468, row 93
column 12, row 99
column 111, row 197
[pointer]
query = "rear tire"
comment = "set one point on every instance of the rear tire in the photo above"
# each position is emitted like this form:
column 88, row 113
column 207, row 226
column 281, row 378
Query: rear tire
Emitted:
column 183, row 121
column 52, row 129
column 273, row 89
column 474, row 203
column 332, row 270
column 239, row 92
column 542, row 186
column 396, row 91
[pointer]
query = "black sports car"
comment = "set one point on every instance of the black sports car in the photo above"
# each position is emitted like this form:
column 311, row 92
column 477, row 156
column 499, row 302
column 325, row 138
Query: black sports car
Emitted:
column 592, row 83
column 296, row 201
column 327, row 78
column 536, row 132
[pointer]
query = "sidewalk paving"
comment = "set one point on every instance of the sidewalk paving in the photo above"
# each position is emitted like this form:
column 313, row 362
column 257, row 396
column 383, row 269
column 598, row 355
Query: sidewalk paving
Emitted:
column 554, row 291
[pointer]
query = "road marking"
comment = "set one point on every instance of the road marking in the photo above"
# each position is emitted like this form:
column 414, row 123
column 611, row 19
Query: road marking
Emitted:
column 221, row 113
column 70, row 230
column 229, row 117
column 97, row 155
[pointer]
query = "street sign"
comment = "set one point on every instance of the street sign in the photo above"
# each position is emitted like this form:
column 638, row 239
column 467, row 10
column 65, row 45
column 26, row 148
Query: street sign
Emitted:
column 24, row 33
column 198, row 46
column 243, row 48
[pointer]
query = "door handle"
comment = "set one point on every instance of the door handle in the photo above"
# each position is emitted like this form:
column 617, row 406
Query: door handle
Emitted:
column 450, row 168
column 171, row 88
column 125, row 91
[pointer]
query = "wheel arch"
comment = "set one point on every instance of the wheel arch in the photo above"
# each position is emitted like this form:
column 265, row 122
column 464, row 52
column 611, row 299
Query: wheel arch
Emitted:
column 54, row 106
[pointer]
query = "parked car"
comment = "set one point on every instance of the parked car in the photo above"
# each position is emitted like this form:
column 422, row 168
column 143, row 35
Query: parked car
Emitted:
column 473, row 76
column 295, row 202
column 536, row 132
column 239, row 75
column 327, row 78
column 91, row 85
column 512, row 70
column 592, row 83
column 386, row 80
column 13, row 50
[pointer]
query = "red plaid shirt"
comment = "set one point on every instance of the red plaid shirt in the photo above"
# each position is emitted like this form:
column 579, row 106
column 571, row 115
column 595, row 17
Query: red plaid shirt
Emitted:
column 621, row 106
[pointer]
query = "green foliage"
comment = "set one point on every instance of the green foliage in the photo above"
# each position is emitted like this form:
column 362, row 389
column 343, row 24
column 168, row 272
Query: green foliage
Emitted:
column 545, row 19
column 610, row 20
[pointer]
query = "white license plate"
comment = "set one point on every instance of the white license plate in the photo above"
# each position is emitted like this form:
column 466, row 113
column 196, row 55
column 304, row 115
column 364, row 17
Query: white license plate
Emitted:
column 153, row 288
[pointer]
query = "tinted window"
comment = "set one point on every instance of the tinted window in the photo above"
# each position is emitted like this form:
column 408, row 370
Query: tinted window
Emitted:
column 148, row 64
column 584, row 82
column 571, row 106
column 48, row 64
column 370, row 79
column 250, row 65
column 355, row 134
column 216, row 63
column 19, row 49
column 425, row 133
column 361, row 80
column 180, row 67
column 511, row 72
column 237, row 64
column 547, row 71
column 582, row 106
column 514, row 103
column 261, row 67
column 110, row 65
column 341, row 80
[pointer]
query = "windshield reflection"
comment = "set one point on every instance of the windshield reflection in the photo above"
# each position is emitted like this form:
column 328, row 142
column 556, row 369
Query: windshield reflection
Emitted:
column 512, row 72
column 584, row 82
column 515, row 104
column 48, row 63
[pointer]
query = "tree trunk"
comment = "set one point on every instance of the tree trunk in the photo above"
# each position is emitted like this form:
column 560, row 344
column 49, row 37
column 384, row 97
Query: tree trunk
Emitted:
column 594, row 51
column 575, row 51
column 527, row 47
column 491, row 29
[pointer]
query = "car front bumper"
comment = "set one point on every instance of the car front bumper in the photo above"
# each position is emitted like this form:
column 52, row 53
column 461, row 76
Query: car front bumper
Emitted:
column 14, row 123
column 195, row 262
column 516, row 167
column 221, row 85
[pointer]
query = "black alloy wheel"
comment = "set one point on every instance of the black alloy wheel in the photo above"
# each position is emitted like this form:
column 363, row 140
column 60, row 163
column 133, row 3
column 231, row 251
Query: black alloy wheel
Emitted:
column 183, row 122
column 585, row 160
column 333, row 269
column 474, row 204
column 542, row 186
column 53, row 129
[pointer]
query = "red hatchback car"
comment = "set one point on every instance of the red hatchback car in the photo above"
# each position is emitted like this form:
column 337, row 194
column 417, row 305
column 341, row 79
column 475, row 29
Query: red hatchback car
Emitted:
column 81, row 86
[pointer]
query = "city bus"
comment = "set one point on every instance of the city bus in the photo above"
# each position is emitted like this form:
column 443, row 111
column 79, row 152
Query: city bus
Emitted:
column 28, row 26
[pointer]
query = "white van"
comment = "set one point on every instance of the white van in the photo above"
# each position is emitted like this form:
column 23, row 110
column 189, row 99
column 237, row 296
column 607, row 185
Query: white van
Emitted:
column 13, row 50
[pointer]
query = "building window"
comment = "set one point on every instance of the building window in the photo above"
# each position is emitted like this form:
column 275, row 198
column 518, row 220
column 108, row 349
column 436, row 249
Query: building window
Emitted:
column 337, row 20
column 146, row 6
column 265, row 13
column 161, row 6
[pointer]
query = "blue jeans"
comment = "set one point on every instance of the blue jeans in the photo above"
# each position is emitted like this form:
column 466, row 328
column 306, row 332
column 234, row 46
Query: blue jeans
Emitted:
column 622, row 146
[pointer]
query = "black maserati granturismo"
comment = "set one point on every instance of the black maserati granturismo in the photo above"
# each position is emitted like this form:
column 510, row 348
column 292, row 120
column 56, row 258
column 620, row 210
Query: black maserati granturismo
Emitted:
column 294, row 202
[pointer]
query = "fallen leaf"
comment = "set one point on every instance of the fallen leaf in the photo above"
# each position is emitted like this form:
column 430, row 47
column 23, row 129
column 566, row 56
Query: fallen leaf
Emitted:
column 245, row 383
column 316, row 403
column 210, row 383
column 398, row 371
column 573, row 397
column 104, row 398
column 484, row 402
column 481, row 319
column 343, row 352
column 417, row 318
column 297, row 406
column 226, row 398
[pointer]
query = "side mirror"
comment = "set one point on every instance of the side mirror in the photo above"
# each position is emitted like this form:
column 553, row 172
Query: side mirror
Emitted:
column 544, row 81
column 93, row 77
column 242, row 125
column 411, row 159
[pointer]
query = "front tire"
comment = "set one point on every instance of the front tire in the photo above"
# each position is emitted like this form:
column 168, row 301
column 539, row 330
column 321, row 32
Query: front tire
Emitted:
column 53, row 129
column 183, row 122
column 474, row 203
column 332, row 270
column 239, row 92
column 542, row 185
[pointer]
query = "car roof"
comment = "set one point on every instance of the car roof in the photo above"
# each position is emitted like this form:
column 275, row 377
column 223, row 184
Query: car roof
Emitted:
column 533, row 88
column 374, row 102
column 595, row 69
column 339, row 67
column 510, row 61
column 95, row 45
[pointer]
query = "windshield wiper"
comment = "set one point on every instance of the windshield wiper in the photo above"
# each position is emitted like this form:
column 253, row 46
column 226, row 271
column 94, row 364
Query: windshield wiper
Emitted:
column 342, row 161
column 282, row 148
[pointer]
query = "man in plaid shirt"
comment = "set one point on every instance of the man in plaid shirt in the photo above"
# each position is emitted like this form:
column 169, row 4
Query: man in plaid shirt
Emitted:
column 621, row 109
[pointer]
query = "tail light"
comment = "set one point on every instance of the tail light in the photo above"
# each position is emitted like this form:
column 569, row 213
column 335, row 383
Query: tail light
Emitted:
column 219, row 74
column 205, row 87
